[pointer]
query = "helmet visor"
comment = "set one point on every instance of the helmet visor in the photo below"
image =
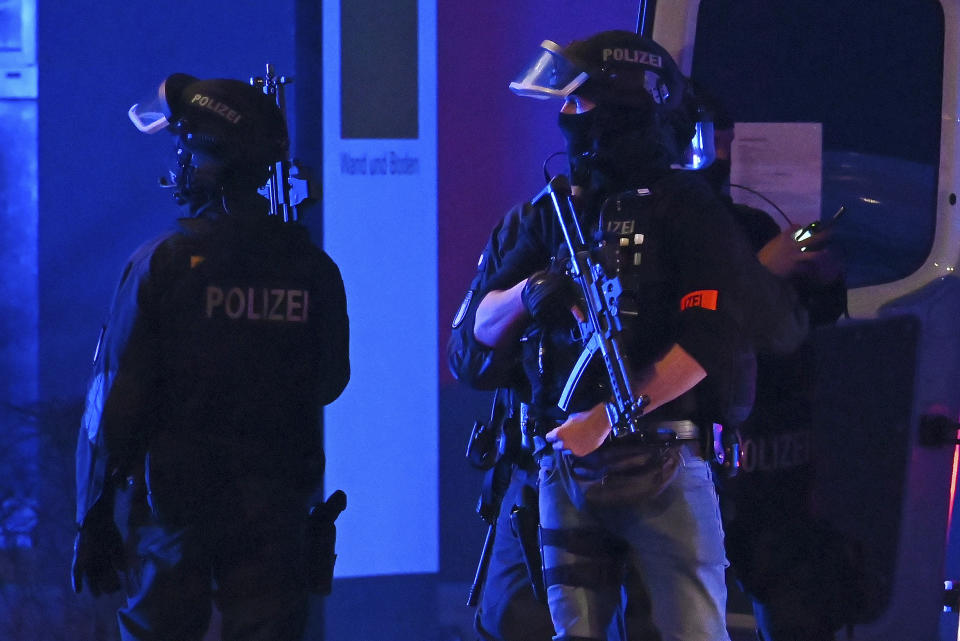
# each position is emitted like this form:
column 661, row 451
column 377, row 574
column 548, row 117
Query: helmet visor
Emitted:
column 550, row 75
column 150, row 115
column 154, row 113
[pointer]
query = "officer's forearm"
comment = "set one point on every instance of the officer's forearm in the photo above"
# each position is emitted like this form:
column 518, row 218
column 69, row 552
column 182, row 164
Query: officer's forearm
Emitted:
column 674, row 374
column 500, row 317
column 668, row 378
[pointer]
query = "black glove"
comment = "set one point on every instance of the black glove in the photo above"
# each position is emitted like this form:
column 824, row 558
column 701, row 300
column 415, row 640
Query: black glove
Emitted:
column 97, row 555
column 548, row 295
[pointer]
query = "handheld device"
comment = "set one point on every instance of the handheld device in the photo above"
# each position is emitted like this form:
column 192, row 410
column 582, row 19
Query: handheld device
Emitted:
column 817, row 226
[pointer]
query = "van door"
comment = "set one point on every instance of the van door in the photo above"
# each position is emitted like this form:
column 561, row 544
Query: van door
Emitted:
column 877, row 82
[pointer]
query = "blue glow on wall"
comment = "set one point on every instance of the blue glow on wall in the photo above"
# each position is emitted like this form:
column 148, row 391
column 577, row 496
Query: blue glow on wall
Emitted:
column 20, row 440
column 18, row 322
column 380, row 225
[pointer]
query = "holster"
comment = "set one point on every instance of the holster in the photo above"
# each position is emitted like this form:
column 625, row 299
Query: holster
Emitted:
column 321, row 538
column 525, row 522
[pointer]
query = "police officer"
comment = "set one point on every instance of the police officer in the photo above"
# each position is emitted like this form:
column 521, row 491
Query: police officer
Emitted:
column 199, row 449
column 511, row 604
column 637, row 513
column 800, row 573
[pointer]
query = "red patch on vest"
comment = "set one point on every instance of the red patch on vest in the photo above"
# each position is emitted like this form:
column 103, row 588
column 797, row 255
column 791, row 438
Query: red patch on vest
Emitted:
column 705, row 298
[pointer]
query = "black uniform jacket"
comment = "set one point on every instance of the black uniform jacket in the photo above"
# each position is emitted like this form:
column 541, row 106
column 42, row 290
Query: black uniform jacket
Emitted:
column 470, row 361
column 693, row 277
column 224, row 340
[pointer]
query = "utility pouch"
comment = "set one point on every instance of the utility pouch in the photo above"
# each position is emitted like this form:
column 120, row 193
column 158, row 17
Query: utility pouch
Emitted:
column 727, row 450
column 482, row 446
column 498, row 437
column 321, row 542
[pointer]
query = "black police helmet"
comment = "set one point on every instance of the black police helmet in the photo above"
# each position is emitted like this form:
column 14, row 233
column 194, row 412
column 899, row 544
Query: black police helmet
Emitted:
column 229, row 120
column 629, row 71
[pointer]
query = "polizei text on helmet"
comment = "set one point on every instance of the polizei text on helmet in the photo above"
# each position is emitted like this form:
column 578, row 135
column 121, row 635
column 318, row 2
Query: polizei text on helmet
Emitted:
column 636, row 56
column 217, row 107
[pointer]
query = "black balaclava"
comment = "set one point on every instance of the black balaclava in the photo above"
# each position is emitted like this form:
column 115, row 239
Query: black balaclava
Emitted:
column 206, row 175
column 612, row 148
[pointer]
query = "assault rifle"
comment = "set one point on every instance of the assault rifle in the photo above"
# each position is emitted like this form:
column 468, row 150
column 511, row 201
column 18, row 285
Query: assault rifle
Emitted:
column 602, row 329
column 284, row 189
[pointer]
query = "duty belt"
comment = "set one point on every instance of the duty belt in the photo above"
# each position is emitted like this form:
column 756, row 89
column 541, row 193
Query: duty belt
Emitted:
column 685, row 430
column 681, row 430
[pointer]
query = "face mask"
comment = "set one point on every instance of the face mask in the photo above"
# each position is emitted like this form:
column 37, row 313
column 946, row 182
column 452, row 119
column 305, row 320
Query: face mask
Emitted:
column 612, row 148
column 578, row 131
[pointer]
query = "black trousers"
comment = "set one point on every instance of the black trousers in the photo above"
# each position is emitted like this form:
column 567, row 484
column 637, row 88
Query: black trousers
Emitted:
column 242, row 551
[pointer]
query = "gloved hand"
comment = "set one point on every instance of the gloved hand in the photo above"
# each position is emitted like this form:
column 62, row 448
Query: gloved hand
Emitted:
column 549, row 297
column 97, row 555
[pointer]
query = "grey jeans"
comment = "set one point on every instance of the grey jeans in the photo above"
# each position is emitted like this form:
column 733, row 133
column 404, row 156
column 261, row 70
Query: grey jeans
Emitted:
column 664, row 550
